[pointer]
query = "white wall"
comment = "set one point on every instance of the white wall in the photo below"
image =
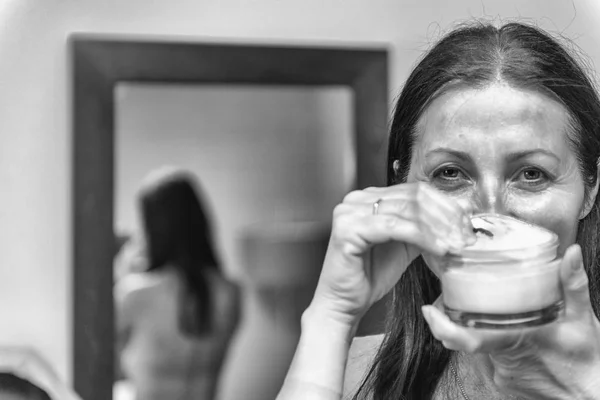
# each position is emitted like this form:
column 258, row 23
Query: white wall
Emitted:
column 261, row 154
column 35, row 219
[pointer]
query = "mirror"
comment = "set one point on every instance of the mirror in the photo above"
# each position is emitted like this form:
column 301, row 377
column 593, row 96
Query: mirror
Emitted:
column 103, row 66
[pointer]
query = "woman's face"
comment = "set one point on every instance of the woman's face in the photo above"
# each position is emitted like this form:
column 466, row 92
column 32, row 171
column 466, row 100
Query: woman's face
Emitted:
column 505, row 151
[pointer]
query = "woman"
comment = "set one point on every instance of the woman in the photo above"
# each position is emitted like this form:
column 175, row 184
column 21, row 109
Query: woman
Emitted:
column 177, row 318
column 498, row 120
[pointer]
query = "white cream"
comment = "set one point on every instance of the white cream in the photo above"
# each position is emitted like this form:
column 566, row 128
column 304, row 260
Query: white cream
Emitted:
column 508, row 233
column 505, row 291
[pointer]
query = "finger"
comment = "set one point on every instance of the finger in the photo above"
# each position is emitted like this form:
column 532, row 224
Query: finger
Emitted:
column 575, row 282
column 438, row 215
column 400, row 207
column 406, row 231
column 456, row 337
column 447, row 332
column 404, row 209
column 348, row 216
column 362, row 232
column 407, row 199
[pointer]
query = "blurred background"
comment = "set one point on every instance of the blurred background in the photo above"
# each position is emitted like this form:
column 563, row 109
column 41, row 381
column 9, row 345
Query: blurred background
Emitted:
column 284, row 157
column 273, row 161
column 263, row 154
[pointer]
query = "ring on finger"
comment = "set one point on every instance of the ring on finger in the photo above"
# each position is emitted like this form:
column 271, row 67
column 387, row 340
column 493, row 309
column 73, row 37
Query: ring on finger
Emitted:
column 376, row 206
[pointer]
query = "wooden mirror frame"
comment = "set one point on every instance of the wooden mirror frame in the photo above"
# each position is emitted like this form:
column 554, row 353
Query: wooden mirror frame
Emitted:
column 98, row 63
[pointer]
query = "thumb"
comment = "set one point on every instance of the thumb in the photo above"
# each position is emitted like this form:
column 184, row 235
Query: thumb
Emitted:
column 575, row 281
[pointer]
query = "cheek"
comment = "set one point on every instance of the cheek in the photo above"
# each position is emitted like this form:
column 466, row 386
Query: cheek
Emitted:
column 557, row 213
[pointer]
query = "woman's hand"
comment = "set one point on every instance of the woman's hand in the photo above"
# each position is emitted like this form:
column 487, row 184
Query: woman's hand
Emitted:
column 408, row 219
column 557, row 361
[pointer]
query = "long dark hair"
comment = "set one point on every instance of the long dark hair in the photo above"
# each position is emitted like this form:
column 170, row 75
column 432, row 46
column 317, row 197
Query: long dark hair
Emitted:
column 410, row 362
column 178, row 233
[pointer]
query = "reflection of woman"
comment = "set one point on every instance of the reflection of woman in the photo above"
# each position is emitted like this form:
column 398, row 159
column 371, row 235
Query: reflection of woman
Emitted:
column 490, row 120
column 175, row 319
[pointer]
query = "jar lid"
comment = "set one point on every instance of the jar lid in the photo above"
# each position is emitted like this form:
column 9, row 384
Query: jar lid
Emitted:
column 500, row 237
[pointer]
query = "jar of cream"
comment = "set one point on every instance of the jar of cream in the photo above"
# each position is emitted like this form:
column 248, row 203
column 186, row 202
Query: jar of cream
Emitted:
column 508, row 279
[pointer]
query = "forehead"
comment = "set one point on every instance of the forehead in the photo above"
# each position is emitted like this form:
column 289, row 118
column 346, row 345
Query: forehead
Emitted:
column 492, row 117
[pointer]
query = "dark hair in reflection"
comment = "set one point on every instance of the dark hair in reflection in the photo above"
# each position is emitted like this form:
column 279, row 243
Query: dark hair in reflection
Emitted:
column 22, row 388
column 178, row 234
column 411, row 362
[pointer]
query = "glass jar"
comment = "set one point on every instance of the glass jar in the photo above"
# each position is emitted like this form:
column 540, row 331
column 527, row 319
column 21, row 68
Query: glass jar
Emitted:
column 508, row 279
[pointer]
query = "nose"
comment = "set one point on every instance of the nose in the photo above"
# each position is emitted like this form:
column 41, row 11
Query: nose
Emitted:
column 489, row 197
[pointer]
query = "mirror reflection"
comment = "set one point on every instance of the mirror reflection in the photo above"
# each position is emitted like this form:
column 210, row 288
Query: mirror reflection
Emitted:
column 223, row 198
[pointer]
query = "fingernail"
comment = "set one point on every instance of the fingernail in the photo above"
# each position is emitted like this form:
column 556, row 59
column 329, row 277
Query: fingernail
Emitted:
column 426, row 312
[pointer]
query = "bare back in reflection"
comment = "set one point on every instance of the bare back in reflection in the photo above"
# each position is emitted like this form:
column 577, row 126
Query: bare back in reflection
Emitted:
column 176, row 311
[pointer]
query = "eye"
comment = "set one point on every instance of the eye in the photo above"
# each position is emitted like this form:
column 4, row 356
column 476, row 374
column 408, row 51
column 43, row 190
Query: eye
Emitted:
column 533, row 177
column 449, row 177
column 450, row 173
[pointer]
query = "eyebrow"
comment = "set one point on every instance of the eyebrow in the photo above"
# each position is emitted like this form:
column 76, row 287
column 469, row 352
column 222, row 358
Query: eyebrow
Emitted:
column 512, row 157
column 461, row 155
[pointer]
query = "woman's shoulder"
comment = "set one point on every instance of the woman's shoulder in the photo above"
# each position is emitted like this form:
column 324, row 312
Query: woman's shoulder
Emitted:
column 360, row 357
